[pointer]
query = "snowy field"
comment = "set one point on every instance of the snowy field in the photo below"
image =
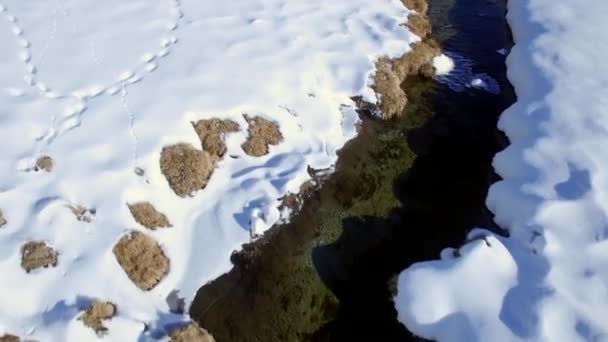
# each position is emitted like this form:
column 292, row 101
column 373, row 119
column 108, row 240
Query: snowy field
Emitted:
column 102, row 86
column 549, row 280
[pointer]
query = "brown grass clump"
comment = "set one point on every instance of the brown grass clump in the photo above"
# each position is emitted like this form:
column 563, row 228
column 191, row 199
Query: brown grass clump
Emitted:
column 191, row 333
column 44, row 163
column 419, row 61
column 2, row 219
column 420, row 6
column 212, row 132
column 387, row 84
column 262, row 133
column 96, row 313
column 390, row 73
column 9, row 338
column 36, row 254
column 186, row 168
column 142, row 259
column 418, row 24
column 146, row 215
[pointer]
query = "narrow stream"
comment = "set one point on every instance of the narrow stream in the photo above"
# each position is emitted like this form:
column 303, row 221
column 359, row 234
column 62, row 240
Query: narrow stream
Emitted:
column 402, row 192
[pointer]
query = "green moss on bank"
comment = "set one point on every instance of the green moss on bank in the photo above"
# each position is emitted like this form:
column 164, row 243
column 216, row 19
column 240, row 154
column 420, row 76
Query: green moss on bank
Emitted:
column 274, row 292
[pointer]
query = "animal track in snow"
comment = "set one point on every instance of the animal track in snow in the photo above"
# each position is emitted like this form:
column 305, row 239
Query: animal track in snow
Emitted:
column 148, row 63
column 127, row 109
column 25, row 55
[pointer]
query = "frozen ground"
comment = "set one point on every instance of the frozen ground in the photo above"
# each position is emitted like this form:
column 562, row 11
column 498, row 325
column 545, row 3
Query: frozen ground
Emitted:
column 549, row 280
column 102, row 86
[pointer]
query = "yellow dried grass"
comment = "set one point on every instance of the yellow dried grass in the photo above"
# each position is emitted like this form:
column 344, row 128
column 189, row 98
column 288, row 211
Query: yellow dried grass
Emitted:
column 142, row 258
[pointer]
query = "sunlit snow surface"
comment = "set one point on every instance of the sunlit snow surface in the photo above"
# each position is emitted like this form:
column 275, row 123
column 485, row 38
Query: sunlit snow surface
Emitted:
column 443, row 65
column 102, row 86
column 549, row 280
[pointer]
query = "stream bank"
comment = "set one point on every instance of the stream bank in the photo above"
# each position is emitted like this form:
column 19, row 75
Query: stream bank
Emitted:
column 402, row 191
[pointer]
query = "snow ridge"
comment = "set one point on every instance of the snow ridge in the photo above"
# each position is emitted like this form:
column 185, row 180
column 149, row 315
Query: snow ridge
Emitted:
column 549, row 280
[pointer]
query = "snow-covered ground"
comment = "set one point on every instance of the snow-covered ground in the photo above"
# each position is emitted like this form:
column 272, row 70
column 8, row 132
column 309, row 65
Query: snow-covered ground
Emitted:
column 549, row 280
column 102, row 86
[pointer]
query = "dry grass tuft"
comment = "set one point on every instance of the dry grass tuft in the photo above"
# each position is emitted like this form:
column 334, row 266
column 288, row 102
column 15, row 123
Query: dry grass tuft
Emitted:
column 212, row 132
column 146, row 215
column 96, row 313
column 142, row 259
column 419, row 25
column 44, row 163
column 262, row 133
column 36, row 254
column 294, row 202
column 419, row 61
column 82, row 214
column 9, row 338
column 186, row 168
column 390, row 73
column 191, row 333
column 387, row 84
column 420, row 6
column 2, row 219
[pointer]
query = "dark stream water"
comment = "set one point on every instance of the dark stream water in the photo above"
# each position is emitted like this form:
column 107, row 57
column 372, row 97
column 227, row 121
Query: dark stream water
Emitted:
column 402, row 192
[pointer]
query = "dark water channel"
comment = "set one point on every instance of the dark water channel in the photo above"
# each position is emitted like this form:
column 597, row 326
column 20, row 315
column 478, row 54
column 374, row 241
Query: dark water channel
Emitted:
column 402, row 191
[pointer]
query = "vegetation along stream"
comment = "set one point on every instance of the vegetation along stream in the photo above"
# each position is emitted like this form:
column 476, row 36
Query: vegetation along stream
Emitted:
column 402, row 191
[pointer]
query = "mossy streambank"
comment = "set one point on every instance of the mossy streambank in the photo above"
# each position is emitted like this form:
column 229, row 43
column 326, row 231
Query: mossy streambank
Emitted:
column 274, row 292
column 402, row 190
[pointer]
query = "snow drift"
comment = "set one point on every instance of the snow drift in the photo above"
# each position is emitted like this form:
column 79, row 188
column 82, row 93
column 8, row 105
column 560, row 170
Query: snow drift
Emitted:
column 549, row 280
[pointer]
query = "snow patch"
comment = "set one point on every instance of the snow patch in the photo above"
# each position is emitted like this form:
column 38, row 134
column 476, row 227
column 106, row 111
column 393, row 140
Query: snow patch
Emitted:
column 464, row 308
column 443, row 65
